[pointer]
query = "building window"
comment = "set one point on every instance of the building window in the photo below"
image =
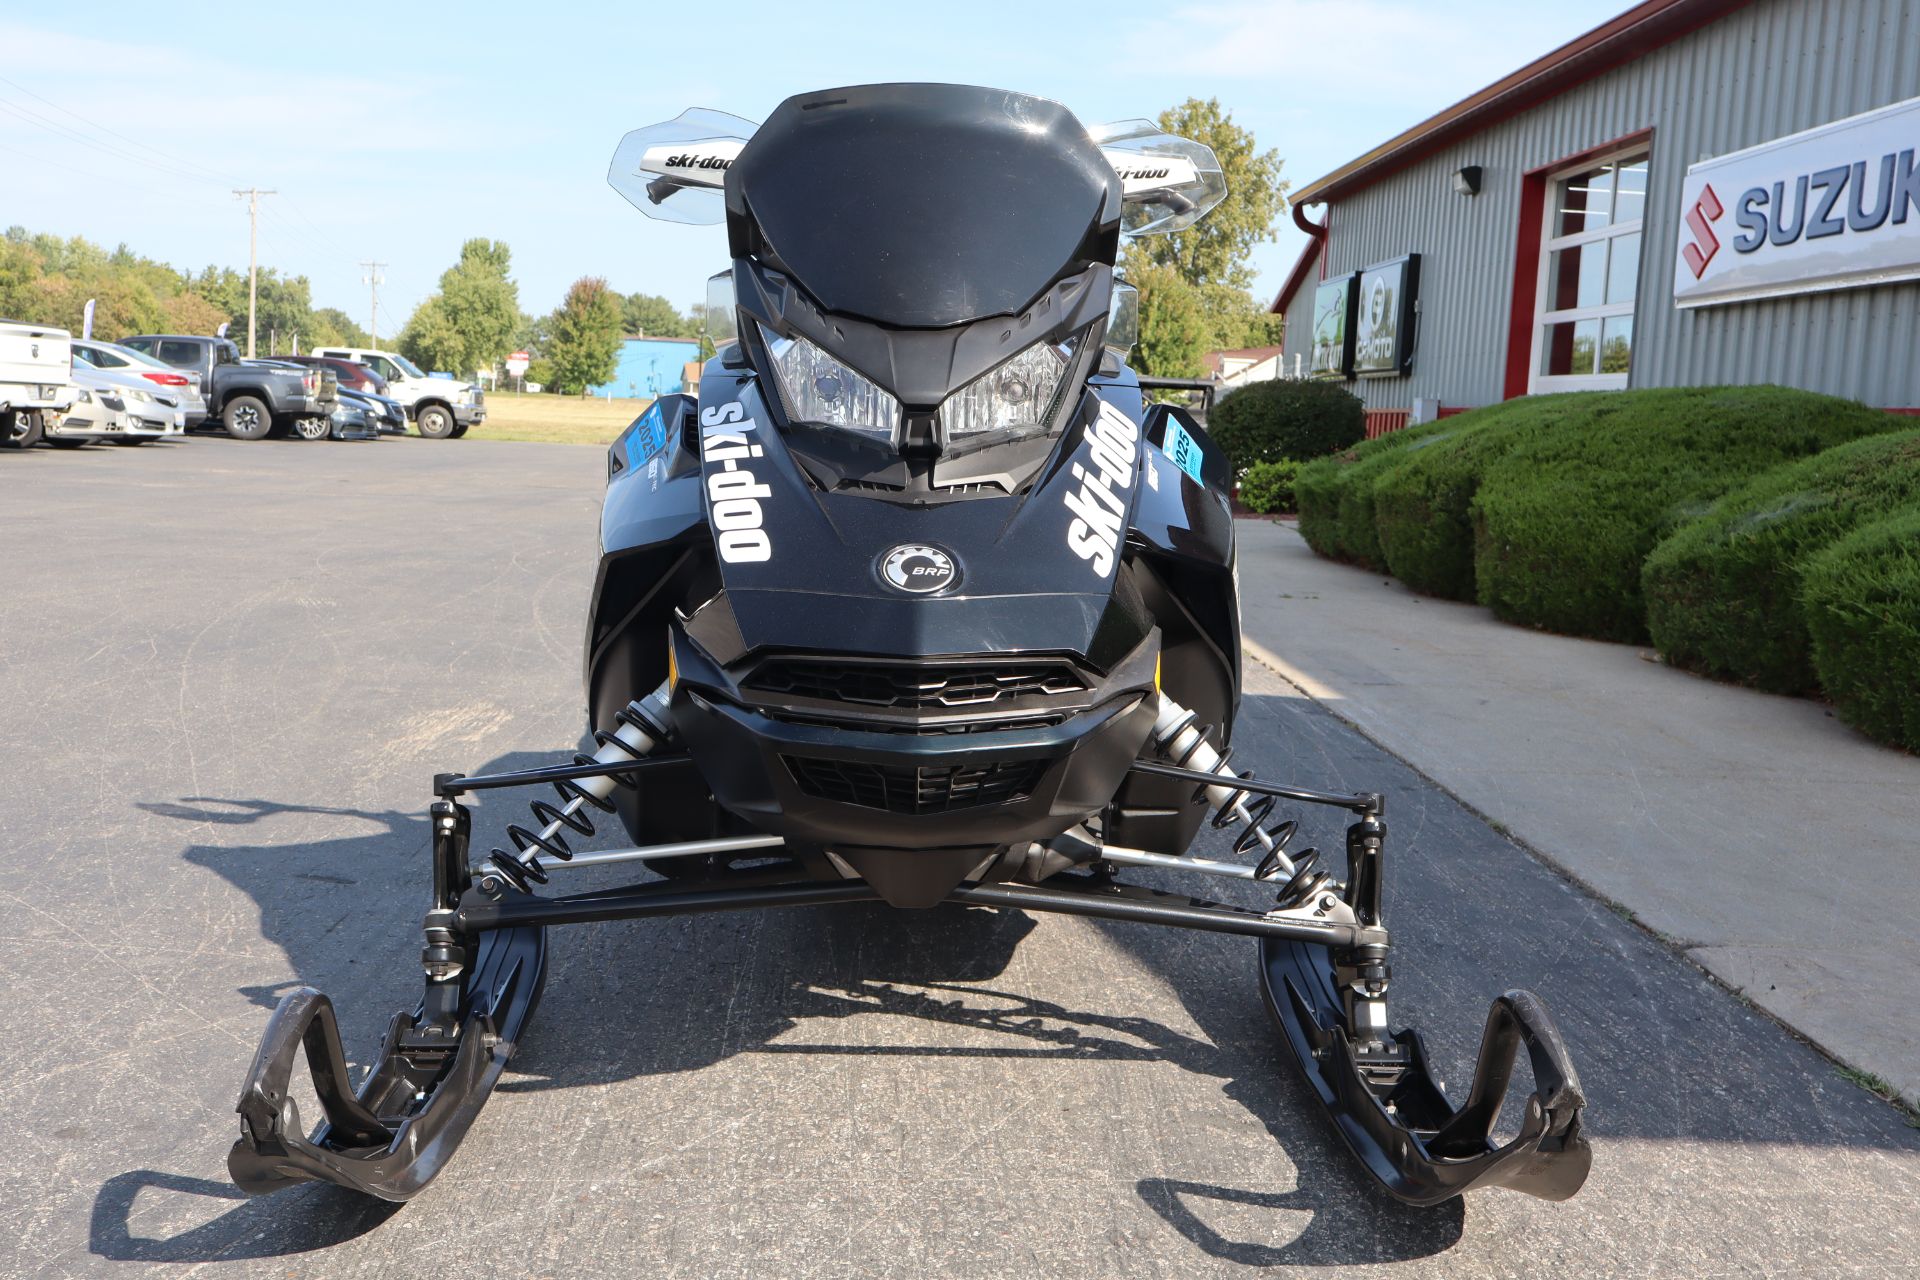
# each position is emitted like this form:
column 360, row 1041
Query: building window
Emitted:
column 1589, row 274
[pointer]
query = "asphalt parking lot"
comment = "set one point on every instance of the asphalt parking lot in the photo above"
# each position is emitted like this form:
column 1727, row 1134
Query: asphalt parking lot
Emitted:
column 228, row 673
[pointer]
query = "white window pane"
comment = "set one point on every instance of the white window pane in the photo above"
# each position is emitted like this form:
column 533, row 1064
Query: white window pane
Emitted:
column 1623, row 269
column 1631, row 200
column 1568, row 348
column 1583, row 202
column 1616, row 344
column 1577, row 276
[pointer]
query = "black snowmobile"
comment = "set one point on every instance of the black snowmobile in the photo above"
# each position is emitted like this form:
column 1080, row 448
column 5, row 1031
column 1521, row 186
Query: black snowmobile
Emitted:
column 919, row 602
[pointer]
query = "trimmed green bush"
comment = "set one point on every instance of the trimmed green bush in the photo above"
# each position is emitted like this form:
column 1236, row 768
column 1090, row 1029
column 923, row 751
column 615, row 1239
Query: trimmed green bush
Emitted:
column 1566, row 515
column 1336, row 497
column 1422, row 504
column 1861, row 604
column 1723, row 593
column 1267, row 487
column 1286, row 418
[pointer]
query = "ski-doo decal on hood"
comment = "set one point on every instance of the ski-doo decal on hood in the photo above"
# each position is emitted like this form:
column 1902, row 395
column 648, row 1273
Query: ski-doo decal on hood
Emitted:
column 733, row 491
column 1099, row 504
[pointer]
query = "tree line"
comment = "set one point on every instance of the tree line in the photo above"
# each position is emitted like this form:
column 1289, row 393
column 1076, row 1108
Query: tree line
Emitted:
column 1194, row 290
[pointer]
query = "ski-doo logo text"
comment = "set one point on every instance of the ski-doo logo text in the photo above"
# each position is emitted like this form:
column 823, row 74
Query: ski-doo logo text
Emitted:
column 1099, row 505
column 698, row 162
column 733, row 493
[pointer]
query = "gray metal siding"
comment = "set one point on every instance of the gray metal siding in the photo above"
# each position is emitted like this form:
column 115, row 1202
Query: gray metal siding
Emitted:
column 1772, row 69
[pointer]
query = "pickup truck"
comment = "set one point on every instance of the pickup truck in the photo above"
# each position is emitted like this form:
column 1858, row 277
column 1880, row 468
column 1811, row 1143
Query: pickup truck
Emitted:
column 440, row 407
column 36, row 377
column 251, row 398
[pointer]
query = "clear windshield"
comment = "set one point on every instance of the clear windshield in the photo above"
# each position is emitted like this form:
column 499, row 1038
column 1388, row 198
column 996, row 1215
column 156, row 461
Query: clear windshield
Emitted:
column 408, row 367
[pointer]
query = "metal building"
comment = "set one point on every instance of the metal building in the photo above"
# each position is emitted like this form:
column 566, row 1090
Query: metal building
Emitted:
column 1697, row 192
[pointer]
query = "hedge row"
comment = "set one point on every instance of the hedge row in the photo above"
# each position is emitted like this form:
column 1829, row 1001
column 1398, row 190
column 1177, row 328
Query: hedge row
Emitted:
column 1861, row 603
column 1545, row 508
column 1286, row 418
column 1724, row 592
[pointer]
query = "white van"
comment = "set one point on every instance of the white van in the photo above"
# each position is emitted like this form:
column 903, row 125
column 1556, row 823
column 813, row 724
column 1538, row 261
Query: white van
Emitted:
column 36, row 379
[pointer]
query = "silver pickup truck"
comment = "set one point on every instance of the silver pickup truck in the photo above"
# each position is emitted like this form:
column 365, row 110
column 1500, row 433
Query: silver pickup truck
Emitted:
column 36, row 378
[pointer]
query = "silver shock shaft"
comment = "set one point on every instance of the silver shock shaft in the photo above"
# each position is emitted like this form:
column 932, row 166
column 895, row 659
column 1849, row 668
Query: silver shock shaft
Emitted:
column 1179, row 736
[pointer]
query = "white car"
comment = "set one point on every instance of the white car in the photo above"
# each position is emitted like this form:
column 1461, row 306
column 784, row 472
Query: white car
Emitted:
column 36, row 379
column 177, row 389
column 121, row 407
column 441, row 408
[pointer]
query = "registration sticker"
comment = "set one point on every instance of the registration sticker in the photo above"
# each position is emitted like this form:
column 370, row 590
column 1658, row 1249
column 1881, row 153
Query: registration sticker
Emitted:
column 649, row 435
column 1183, row 449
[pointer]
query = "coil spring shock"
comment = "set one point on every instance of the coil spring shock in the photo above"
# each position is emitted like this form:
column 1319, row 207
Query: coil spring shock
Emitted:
column 641, row 726
column 1185, row 744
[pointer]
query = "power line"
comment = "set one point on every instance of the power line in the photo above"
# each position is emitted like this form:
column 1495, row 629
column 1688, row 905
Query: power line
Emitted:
column 210, row 174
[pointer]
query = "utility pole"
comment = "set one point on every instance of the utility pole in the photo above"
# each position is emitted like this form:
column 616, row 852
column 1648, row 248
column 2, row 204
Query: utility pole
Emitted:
column 372, row 281
column 253, row 195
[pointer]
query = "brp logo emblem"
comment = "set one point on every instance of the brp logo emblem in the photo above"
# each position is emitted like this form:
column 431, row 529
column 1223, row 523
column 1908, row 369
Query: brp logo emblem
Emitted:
column 919, row 569
column 1705, row 244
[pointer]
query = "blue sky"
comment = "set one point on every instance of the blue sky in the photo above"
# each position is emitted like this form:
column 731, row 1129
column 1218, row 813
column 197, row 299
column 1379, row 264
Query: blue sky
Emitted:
column 395, row 132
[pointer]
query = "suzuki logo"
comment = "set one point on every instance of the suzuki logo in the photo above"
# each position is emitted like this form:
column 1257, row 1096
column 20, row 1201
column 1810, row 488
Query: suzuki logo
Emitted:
column 1705, row 244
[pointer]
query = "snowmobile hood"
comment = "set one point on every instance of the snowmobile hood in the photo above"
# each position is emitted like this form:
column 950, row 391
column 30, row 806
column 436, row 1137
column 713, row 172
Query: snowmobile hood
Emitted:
column 805, row 569
column 923, row 205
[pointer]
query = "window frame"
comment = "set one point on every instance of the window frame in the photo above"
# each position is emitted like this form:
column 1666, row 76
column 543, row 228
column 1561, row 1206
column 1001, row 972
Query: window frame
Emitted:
column 1539, row 383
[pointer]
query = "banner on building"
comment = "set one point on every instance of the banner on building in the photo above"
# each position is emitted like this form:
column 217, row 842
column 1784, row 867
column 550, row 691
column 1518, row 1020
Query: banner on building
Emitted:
column 1333, row 303
column 1837, row 207
column 1384, row 318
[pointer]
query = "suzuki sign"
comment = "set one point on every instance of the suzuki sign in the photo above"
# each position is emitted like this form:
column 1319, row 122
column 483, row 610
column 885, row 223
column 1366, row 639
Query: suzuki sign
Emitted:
column 1835, row 207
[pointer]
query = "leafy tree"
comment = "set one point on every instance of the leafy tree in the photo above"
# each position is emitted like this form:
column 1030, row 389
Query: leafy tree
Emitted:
column 332, row 327
column 585, row 346
column 648, row 315
column 1173, row 324
column 471, row 322
column 188, row 312
column 1212, row 255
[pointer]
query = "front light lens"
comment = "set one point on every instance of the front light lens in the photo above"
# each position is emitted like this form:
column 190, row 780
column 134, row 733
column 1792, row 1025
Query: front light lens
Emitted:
column 817, row 388
column 138, row 396
column 1015, row 398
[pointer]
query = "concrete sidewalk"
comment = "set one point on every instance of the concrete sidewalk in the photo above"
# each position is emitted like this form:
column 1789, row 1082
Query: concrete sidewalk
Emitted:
column 1774, row 845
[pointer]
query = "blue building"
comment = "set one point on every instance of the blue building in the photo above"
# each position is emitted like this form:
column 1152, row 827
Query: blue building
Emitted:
column 650, row 367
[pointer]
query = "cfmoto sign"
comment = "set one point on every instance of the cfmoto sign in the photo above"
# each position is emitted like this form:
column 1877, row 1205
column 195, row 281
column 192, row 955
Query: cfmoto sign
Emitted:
column 1836, row 207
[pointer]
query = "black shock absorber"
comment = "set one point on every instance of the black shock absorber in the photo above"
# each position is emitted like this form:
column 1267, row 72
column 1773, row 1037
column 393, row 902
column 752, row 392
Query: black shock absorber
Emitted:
column 640, row 727
column 1184, row 742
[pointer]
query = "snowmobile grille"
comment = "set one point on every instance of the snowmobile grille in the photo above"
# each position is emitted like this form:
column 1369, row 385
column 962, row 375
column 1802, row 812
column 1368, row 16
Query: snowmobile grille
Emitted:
column 914, row 687
column 911, row 789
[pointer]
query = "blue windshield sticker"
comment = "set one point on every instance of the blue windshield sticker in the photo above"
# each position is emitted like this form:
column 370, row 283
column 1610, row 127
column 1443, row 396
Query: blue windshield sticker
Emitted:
column 1183, row 449
column 649, row 435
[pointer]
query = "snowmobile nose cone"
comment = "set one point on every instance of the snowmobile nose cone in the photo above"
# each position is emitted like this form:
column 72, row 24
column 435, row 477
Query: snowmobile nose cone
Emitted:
column 919, row 569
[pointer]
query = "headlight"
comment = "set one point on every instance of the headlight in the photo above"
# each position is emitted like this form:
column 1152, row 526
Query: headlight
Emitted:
column 85, row 397
column 816, row 388
column 1018, row 397
column 137, row 395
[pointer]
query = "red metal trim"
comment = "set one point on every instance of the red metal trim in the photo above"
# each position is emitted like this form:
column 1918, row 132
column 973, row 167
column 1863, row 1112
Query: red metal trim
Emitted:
column 1451, row 410
column 1381, row 422
column 1526, row 283
column 1910, row 413
column 1635, row 33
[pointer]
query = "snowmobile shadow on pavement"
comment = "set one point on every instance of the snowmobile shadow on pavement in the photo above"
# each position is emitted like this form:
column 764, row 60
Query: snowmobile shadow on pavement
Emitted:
column 777, row 973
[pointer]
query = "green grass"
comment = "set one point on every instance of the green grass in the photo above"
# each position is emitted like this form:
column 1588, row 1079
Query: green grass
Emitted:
column 555, row 419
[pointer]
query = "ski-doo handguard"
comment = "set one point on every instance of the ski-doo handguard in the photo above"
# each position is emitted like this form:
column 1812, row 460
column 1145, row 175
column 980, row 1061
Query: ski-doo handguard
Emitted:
column 415, row 1105
column 1392, row 1111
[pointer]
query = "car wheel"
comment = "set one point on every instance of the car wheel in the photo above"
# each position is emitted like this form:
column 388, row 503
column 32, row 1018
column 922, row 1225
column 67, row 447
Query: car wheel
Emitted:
column 435, row 423
column 20, row 429
column 246, row 418
column 312, row 428
column 459, row 430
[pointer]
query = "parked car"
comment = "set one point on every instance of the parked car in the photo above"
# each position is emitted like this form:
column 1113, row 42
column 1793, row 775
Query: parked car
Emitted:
column 440, row 407
column 36, row 378
column 178, row 391
column 250, row 398
column 123, row 408
column 388, row 415
column 353, row 375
